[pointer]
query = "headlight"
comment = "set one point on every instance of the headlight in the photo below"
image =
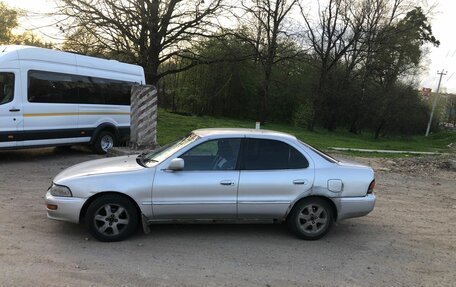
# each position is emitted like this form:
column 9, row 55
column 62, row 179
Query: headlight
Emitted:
column 60, row 190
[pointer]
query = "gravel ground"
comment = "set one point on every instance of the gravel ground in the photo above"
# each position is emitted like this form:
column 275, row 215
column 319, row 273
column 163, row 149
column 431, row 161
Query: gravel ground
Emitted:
column 408, row 240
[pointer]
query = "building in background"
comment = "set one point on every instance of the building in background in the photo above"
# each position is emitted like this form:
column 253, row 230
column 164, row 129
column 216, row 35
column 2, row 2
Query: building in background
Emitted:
column 445, row 111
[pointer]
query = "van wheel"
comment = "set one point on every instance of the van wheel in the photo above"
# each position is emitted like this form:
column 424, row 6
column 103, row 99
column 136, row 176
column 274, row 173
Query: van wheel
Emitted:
column 104, row 142
column 310, row 218
column 111, row 218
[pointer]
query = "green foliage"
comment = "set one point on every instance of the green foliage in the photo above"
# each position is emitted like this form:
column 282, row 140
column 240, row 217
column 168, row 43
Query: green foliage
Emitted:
column 30, row 39
column 225, row 88
column 302, row 116
column 416, row 22
column 230, row 87
column 347, row 71
column 8, row 21
column 172, row 126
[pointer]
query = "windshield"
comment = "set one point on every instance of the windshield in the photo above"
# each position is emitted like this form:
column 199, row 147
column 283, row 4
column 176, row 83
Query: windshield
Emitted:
column 321, row 153
column 166, row 151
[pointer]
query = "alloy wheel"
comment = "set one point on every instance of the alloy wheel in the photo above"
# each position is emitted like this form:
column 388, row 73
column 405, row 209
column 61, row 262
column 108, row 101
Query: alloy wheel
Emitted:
column 111, row 219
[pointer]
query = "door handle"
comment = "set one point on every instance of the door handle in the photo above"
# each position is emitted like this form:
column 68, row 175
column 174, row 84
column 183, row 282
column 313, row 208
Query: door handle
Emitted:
column 15, row 110
column 226, row 182
column 299, row 181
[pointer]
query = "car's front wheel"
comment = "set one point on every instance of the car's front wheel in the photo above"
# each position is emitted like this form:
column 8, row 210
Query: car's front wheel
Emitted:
column 111, row 218
column 310, row 218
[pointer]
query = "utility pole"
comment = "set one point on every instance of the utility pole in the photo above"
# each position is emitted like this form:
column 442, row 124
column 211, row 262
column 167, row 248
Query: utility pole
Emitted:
column 442, row 73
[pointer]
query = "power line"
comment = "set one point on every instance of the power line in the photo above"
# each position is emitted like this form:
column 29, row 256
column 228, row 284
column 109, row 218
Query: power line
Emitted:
column 442, row 73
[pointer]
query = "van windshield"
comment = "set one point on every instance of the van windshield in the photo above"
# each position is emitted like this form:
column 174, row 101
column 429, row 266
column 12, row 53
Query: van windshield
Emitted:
column 6, row 87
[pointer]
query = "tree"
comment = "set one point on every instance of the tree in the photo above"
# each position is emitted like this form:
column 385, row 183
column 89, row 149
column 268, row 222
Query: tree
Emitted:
column 396, row 58
column 362, row 52
column 30, row 39
column 337, row 30
column 146, row 32
column 269, row 39
column 8, row 21
column 80, row 40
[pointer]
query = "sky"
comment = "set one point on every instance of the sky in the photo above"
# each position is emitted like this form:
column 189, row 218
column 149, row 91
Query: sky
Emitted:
column 444, row 57
column 442, row 17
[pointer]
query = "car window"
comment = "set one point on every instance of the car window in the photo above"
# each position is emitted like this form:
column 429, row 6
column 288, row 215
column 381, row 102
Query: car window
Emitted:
column 321, row 153
column 164, row 152
column 264, row 154
column 221, row 154
column 6, row 87
column 209, row 148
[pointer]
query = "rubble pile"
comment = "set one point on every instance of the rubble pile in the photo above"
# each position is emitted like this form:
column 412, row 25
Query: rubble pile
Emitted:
column 422, row 164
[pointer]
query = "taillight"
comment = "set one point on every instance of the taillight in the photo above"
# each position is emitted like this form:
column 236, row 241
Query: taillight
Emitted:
column 371, row 187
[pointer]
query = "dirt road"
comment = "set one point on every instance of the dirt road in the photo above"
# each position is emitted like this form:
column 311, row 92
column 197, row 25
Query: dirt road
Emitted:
column 409, row 240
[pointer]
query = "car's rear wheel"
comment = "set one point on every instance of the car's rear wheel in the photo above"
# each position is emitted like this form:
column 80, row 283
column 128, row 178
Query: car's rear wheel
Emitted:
column 310, row 218
column 104, row 142
column 111, row 218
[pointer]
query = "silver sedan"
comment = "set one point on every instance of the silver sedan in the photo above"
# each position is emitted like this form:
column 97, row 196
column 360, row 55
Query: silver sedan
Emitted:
column 214, row 175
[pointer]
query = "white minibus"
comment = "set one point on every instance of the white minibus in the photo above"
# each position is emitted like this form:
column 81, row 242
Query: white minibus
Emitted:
column 54, row 98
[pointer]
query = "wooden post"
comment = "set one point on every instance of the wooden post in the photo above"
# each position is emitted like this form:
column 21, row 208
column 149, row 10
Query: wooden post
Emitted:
column 143, row 122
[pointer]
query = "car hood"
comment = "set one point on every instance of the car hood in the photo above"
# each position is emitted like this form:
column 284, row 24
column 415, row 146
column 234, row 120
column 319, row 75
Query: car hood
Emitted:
column 100, row 166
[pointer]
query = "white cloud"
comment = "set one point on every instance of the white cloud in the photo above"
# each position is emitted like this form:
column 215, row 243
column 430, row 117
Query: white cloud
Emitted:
column 444, row 57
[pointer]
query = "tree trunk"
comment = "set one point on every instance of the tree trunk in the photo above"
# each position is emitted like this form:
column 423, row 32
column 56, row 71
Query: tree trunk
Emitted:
column 379, row 128
column 264, row 93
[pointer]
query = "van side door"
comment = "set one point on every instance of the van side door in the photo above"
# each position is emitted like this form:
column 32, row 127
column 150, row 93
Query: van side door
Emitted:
column 10, row 108
column 51, row 109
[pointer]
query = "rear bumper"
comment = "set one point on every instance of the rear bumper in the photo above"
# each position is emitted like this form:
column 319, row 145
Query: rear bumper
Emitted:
column 349, row 207
column 68, row 208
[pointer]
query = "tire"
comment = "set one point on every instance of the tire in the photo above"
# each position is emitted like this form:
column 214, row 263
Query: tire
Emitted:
column 111, row 218
column 311, row 218
column 104, row 142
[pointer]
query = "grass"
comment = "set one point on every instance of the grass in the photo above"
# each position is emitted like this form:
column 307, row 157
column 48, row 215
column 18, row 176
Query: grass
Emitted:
column 172, row 126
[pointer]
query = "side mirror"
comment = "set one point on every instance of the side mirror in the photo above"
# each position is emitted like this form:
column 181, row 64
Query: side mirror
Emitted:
column 176, row 164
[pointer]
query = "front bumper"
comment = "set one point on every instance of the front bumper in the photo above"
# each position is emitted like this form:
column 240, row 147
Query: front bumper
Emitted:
column 349, row 207
column 68, row 208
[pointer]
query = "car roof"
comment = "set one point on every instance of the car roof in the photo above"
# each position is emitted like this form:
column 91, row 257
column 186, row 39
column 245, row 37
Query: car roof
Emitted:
column 240, row 132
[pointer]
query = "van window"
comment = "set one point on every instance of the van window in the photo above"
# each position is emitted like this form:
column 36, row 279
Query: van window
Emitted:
column 104, row 91
column 49, row 87
column 46, row 87
column 6, row 88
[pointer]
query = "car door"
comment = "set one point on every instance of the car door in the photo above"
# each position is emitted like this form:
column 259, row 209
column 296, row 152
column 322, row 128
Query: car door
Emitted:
column 10, row 109
column 207, row 186
column 273, row 174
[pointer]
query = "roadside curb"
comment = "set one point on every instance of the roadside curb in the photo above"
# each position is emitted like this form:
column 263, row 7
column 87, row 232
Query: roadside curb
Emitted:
column 386, row 151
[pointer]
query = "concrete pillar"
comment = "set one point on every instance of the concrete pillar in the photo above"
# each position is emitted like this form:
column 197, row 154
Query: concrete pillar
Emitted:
column 143, row 122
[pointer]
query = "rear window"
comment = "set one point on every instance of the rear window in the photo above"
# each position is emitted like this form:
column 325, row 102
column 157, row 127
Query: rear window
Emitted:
column 321, row 153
